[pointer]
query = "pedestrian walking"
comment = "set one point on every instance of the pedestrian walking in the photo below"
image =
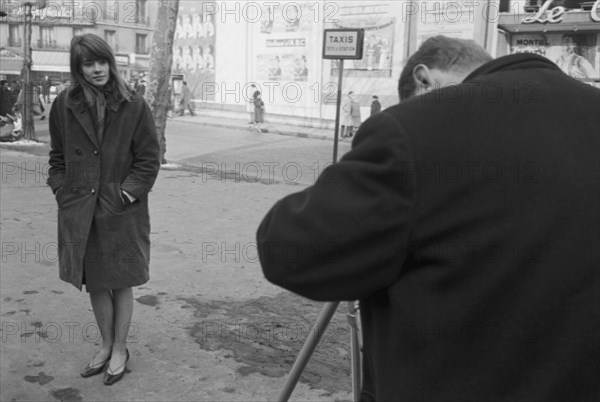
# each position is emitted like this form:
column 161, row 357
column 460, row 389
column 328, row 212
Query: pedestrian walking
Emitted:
column 5, row 99
column 141, row 89
column 250, row 104
column 259, row 109
column 38, row 108
column 346, row 116
column 99, row 125
column 46, row 84
column 375, row 105
column 472, row 287
column 186, row 100
column 355, row 114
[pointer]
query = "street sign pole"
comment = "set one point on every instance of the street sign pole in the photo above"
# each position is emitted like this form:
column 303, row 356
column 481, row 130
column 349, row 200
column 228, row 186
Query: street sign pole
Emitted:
column 336, row 135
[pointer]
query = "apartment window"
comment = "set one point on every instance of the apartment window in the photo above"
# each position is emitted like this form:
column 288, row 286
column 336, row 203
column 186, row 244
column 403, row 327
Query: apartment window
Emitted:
column 110, row 38
column 141, row 11
column 46, row 37
column 140, row 44
column 14, row 35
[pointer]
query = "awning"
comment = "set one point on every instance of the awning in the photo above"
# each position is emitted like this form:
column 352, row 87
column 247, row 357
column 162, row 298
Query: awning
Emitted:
column 50, row 61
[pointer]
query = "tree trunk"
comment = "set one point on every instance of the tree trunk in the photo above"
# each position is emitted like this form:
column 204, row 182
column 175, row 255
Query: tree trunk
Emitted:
column 158, row 87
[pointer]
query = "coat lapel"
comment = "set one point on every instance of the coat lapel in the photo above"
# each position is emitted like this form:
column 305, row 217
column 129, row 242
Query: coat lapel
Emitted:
column 85, row 120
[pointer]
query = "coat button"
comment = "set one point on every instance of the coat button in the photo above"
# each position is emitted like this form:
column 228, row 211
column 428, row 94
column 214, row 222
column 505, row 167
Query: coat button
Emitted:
column 93, row 191
column 78, row 151
column 96, row 152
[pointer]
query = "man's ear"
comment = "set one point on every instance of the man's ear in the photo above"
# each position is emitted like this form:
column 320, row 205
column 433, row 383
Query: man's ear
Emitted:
column 422, row 77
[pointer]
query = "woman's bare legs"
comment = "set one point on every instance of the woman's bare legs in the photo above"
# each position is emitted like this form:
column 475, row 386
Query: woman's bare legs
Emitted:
column 103, row 311
column 123, row 311
column 113, row 312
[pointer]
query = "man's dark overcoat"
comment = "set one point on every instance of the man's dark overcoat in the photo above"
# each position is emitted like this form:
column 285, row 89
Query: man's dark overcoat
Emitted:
column 97, row 232
column 467, row 223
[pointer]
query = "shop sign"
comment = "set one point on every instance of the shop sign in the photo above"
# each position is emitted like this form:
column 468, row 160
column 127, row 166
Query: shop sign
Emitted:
column 122, row 60
column 555, row 15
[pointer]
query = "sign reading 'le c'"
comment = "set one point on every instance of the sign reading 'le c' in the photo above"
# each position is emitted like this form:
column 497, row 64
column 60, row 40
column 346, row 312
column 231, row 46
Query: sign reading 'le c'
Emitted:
column 554, row 15
column 343, row 44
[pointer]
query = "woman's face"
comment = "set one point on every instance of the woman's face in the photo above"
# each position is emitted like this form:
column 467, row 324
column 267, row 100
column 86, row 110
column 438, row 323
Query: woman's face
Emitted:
column 96, row 72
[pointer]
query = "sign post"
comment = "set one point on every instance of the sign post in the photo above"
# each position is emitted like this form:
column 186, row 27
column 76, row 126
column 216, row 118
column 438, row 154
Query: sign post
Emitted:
column 341, row 44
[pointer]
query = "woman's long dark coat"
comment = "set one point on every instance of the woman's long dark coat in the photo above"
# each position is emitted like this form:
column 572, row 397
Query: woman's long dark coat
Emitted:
column 97, row 232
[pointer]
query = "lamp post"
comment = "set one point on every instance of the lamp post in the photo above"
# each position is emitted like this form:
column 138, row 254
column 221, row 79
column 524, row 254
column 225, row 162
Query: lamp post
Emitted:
column 28, row 126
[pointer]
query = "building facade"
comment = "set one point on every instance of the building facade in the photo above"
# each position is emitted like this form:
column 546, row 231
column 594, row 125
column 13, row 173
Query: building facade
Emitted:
column 221, row 48
column 126, row 26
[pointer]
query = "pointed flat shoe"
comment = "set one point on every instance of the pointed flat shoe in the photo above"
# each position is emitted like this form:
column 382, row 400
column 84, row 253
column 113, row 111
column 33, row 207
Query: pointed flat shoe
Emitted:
column 110, row 379
column 90, row 371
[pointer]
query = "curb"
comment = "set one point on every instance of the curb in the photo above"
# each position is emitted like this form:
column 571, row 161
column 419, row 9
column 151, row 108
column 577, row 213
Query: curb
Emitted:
column 243, row 127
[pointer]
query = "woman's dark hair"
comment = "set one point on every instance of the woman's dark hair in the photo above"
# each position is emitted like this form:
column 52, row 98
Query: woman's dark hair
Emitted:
column 90, row 47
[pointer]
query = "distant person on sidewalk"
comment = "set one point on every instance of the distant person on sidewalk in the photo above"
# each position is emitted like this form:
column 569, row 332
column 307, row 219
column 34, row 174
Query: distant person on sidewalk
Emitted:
column 186, row 100
column 141, row 89
column 355, row 114
column 259, row 109
column 100, row 126
column 375, row 105
column 250, row 103
column 38, row 107
column 345, row 115
column 46, row 84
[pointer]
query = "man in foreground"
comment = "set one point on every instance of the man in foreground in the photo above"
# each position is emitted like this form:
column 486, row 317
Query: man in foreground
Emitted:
column 466, row 221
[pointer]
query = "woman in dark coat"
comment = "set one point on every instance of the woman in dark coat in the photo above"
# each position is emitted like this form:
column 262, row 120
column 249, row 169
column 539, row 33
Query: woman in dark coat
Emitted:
column 104, row 159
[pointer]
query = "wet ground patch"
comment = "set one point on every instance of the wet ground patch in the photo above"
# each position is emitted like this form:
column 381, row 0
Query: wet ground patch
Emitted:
column 266, row 335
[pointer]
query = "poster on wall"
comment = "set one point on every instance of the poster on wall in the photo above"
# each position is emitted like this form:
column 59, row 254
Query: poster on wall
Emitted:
column 283, row 53
column 194, row 47
column 378, row 46
column 283, row 59
column 576, row 54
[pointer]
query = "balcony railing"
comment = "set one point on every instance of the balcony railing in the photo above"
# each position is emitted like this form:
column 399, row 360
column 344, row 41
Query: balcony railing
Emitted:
column 43, row 44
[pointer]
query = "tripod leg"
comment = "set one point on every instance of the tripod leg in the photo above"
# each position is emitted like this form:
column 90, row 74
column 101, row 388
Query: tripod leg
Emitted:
column 308, row 348
column 355, row 350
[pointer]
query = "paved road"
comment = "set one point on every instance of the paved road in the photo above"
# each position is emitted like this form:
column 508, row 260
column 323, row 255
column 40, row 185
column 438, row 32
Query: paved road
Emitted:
column 207, row 326
column 249, row 156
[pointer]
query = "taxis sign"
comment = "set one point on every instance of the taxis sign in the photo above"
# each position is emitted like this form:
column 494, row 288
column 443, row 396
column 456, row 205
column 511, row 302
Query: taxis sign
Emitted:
column 343, row 44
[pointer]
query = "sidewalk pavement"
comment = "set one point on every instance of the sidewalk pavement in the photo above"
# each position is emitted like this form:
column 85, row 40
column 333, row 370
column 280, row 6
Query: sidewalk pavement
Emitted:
column 232, row 120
